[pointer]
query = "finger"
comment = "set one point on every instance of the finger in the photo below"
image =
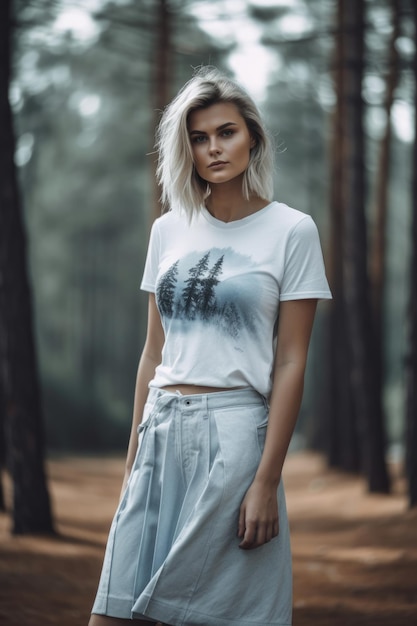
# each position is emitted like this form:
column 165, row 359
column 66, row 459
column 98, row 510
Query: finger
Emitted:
column 249, row 536
column 269, row 533
column 261, row 535
column 241, row 523
column 273, row 530
column 264, row 534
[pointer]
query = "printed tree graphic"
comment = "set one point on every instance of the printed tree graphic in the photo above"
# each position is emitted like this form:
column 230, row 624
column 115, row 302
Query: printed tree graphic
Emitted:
column 166, row 289
column 197, row 299
column 192, row 292
column 208, row 297
column 232, row 319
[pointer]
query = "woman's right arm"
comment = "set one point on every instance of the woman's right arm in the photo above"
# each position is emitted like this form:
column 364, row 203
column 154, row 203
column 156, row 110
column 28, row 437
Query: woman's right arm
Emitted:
column 150, row 359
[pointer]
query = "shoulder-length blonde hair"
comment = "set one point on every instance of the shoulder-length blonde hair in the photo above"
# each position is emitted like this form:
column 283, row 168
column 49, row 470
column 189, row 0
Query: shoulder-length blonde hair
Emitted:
column 182, row 188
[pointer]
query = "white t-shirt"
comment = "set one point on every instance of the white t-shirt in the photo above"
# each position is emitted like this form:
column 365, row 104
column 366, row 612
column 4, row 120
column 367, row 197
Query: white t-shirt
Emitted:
column 218, row 286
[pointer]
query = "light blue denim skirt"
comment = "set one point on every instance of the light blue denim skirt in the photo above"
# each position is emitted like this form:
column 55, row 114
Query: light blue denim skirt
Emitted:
column 172, row 553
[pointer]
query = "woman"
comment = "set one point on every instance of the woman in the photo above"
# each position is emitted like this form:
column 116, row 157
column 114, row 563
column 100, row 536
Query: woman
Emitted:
column 201, row 533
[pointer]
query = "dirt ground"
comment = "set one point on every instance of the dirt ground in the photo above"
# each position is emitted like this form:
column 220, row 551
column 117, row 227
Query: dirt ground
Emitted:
column 355, row 555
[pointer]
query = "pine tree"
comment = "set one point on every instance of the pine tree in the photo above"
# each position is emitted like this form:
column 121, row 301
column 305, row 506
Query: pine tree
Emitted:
column 208, row 298
column 191, row 293
column 231, row 319
column 20, row 388
column 166, row 290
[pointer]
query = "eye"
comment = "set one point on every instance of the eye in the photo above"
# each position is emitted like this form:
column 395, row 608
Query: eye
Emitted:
column 228, row 132
column 198, row 138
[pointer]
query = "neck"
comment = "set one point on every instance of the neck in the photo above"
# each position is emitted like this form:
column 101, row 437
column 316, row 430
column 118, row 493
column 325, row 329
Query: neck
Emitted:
column 229, row 204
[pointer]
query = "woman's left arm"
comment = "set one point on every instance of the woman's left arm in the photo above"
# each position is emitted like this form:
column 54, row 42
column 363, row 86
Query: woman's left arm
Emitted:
column 258, row 518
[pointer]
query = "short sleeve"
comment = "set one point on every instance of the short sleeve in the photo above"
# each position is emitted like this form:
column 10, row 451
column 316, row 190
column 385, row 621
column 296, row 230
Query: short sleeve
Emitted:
column 304, row 273
column 152, row 261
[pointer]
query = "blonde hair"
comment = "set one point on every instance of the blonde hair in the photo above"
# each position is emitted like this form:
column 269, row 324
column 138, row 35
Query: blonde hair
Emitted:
column 182, row 187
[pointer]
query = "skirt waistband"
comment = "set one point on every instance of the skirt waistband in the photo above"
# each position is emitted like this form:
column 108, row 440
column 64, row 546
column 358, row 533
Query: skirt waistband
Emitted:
column 209, row 401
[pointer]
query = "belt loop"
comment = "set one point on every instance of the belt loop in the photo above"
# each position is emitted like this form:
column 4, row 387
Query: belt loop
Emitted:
column 266, row 403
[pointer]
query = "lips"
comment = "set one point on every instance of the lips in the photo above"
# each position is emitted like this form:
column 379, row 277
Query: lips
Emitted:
column 217, row 163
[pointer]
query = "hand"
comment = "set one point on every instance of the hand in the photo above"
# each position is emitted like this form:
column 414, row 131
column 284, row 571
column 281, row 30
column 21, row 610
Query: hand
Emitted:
column 258, row 517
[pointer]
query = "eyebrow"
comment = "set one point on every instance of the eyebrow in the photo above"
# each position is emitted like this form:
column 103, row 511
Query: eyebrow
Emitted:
column 221, row 127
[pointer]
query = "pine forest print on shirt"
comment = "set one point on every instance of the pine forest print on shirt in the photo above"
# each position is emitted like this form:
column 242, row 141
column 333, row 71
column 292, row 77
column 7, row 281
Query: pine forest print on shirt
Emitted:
column 208, row 289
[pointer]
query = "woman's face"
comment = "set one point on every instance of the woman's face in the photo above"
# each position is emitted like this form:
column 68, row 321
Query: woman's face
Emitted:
column 220, row 142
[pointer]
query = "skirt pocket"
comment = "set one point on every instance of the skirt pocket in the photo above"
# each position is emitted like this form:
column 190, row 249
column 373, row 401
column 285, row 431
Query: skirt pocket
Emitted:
column 240, row 443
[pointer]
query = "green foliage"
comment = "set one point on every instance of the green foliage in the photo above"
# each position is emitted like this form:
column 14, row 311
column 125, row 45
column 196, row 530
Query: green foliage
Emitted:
column 84, row 101
column 79, row 420
column 299, row 109
column 84, row 119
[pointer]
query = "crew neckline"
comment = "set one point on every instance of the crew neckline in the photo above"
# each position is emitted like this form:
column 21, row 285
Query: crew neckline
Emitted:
column 243, row 221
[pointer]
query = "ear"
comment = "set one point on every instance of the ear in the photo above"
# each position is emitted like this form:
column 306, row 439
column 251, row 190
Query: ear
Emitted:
column 252, row 142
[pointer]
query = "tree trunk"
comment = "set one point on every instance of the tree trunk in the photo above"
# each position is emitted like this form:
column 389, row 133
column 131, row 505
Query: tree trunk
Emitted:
column 24, row 440
column 366, row 387
column 2, row 450
column 342, row 448
column 411, row 363
column 377, row 264
column 161, row 82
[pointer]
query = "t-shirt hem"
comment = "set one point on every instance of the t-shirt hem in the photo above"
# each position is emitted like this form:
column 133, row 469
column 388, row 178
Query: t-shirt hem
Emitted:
column 147, row 287
column 321, row 295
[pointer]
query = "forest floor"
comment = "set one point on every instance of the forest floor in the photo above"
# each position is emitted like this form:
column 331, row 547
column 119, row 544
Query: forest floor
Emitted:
column 355, row 554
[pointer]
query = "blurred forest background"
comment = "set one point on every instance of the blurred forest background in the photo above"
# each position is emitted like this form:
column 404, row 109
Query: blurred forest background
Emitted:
column 86, row 81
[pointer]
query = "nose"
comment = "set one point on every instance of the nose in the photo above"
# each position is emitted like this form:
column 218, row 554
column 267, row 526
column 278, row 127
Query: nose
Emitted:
column 214, row 147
